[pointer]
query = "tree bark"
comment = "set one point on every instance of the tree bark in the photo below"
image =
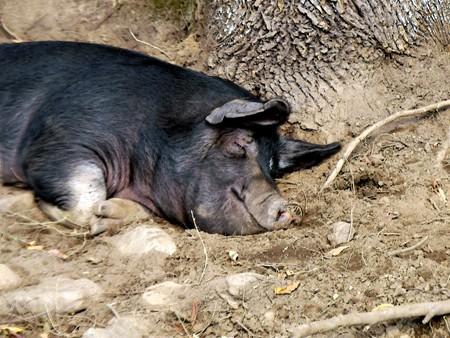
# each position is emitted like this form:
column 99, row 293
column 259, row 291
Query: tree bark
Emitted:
column 305, row 50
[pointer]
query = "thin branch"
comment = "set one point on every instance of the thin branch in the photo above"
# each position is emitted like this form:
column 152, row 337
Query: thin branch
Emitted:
column 150, row 45
column 204, row 248
column 9, row 34
column 429, row 310
column 113, row 310
column 356, row 141
column 411, row 248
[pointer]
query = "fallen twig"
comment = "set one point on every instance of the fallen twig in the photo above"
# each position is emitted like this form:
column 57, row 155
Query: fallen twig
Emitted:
column 9, row 34
column 150, row 45
column 46, row 225
column 113, row 310
column 411, row 248
column 357, row 140
column 429, row 310
column 204, row 248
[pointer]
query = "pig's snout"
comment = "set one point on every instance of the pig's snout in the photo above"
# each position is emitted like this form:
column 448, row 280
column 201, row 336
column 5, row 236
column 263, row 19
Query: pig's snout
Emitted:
column 281, row 216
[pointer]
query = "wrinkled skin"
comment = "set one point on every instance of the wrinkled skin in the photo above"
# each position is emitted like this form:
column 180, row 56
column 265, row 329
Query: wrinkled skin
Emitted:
column 101, row 135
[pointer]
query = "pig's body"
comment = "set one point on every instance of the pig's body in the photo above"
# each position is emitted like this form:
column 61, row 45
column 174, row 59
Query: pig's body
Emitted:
column 83, row 123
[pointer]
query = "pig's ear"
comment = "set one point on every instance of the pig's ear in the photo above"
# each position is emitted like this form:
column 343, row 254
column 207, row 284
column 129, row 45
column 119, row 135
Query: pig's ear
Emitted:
column 244, row 112
column 293, row 155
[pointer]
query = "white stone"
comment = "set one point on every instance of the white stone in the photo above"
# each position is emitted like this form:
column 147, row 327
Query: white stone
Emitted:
column 343, row 232
column 239, row 283
column 268, row 320
column 119, row 328
column 17, row 202
column 8, row 278
column 143, row 239
column 165, row 295
column 61, row 295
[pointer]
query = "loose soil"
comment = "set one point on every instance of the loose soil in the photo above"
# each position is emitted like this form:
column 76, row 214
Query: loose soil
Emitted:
column 394, row 190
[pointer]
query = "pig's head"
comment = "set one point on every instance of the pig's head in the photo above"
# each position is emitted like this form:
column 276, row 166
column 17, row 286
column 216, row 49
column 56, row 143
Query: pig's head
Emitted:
column 229, row 182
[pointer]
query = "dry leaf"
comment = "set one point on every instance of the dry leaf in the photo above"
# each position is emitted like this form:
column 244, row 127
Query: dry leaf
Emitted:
column 32, row 246
column 5, row 329
column 337, row 251
column 392, row 215
column 280, row 5
column 382, row 307
column 286, row 290
column 58, row 253
column 437, row 185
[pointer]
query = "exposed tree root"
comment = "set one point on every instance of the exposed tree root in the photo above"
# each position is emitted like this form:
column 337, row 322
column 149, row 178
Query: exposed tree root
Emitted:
column 429, row 310
column 357, row 140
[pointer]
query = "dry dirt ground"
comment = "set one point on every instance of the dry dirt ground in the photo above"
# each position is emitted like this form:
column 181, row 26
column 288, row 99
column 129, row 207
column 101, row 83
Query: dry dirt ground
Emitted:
column 394, row 189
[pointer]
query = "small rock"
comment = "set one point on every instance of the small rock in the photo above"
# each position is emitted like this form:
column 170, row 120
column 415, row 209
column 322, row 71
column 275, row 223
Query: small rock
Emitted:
column 120, row 327
column 18, row 202
column 309, row 125
column 269, row 320
column 384, row 200
column 343, row 232
column 377, row 159
column 62, row 295
column 238, row 283
column 8, row 278
column 142, row 240
column 165, row 295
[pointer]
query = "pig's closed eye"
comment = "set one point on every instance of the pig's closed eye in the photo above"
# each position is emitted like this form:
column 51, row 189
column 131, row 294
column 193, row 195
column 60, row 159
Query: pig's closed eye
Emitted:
column 234, row 149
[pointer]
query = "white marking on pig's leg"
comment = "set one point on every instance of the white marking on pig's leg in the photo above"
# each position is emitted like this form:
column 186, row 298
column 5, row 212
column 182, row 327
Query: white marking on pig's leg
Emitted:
column 86, row 187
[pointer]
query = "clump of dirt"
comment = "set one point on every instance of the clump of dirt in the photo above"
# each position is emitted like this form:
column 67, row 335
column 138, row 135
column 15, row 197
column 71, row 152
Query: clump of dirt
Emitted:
column 394, row 190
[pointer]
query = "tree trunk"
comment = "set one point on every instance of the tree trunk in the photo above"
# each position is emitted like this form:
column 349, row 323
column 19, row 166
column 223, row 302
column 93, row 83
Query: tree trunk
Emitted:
column 305, row 51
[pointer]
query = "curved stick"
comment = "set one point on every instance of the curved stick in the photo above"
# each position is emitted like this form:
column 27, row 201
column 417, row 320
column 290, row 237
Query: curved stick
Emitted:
column 357, row 140
column 429, row 310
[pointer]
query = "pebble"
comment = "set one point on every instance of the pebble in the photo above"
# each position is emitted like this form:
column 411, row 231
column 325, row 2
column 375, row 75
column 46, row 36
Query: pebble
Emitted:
column 62, row 295
column 166, row 295
column 18, row 202
column 232, row 288
column 239, row 283
column 269, row 320
column 119, row 328
column 343, row 232
column 142, row 240
column 8, row 278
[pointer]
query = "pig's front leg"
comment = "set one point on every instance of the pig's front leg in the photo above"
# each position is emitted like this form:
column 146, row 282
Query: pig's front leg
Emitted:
column 114, row 213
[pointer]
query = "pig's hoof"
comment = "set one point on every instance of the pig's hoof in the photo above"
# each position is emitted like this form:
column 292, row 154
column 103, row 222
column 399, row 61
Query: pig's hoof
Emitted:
column 114, row 213
column 118, row 208
column 110, row 225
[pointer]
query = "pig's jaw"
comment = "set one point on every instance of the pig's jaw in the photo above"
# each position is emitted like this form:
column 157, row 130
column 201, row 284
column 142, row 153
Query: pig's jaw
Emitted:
column 244, row 222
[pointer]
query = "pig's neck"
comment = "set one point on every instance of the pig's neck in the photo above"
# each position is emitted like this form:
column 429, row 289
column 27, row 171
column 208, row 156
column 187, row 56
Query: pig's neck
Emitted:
column 157, row 181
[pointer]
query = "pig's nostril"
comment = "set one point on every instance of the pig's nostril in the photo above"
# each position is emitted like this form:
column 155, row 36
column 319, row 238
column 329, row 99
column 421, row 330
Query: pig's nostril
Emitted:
column 283, row 216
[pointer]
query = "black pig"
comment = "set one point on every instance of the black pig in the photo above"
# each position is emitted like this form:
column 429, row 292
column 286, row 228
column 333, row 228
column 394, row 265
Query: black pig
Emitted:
column 82, row 123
